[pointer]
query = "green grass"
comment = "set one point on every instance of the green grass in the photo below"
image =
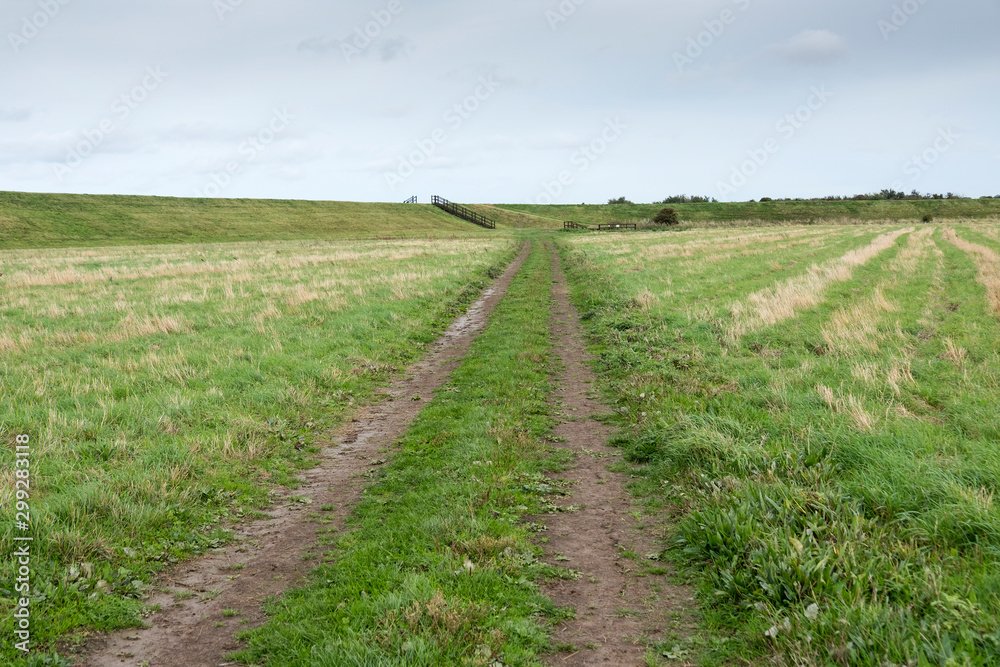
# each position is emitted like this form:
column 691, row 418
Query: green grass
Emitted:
column 779, row 212
column 166, row 389
column 832, row 474
column 438, row 567
column 69, row 221
column 508, row 219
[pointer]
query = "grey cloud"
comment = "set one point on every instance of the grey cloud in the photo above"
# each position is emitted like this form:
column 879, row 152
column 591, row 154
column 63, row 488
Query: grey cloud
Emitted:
column 393, row 49
column 15, row 114
column 751, row 64
column 319, row 45
column 811, row 47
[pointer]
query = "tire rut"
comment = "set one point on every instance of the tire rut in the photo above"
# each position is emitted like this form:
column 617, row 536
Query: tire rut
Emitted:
column 204, row 602
column 620, row 606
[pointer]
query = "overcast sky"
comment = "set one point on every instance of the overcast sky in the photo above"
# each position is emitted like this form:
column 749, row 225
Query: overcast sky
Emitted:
column 505, row 101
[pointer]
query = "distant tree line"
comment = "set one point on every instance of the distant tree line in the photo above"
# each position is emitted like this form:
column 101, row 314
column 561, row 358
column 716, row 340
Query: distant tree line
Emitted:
column 676, row 199
column 891, row 194
column 887, row 194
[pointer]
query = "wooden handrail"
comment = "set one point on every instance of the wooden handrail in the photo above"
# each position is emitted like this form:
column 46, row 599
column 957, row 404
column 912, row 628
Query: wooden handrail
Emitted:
column 460, row 211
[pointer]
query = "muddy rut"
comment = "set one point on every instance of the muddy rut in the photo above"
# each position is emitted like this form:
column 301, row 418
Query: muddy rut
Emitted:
column 271, row 555
column 619, row 605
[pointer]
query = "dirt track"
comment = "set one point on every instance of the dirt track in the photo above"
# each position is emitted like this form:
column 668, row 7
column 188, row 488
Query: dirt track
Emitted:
column 268, row 556
column 617, row 606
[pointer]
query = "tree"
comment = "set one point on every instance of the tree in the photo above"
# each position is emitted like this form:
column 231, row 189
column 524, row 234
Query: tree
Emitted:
column 667, row 216
column 620, row 200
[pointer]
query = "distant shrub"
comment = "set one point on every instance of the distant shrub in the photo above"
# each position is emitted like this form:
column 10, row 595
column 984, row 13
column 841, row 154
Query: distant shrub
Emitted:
column 684, row 199
column 928, row 218
column 667, row 216
column 620, row 200
column 765, row 199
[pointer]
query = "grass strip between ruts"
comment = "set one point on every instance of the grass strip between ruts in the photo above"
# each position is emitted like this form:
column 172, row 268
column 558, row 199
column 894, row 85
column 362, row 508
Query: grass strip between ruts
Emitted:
column 437, row 566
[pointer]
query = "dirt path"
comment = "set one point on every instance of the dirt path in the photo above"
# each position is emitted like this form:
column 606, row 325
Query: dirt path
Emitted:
column 206, row 601
column 619, row 604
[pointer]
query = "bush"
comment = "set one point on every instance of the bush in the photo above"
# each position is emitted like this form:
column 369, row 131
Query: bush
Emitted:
column 667, row 216
column 928, row 218
column 620, row 200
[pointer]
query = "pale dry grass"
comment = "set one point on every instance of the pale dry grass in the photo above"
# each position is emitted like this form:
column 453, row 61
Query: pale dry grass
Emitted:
column 954, row 353
column 646, row 300
column 849, row 405
column 744, row 244
column 981, row 498
column 8, row 344
column 776, row 304
column 139, row 326
column 894, row 373
column 857, row 328
column 74, row 291
column 988, row 263
column 860, row 327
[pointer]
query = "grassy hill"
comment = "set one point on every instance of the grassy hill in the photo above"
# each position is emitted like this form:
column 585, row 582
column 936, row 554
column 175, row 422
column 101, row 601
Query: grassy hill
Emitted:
column 506, row 218
column 772, row 212
column 60, row 220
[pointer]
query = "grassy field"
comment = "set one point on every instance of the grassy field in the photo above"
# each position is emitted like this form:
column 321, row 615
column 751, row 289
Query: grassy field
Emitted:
column 813, row 406
column 46, row 221
column 816, row 407
column 778, row 212
column 167, row 388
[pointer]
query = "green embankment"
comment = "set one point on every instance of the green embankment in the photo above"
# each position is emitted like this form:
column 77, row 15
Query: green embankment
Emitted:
column 506, row 218
column 771, row 212
column 62, row 220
